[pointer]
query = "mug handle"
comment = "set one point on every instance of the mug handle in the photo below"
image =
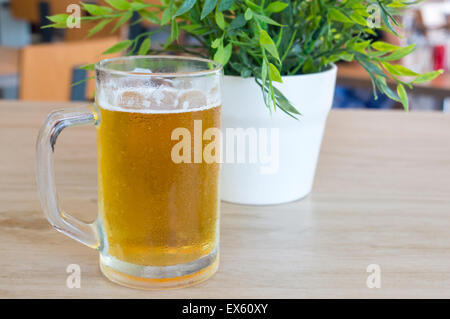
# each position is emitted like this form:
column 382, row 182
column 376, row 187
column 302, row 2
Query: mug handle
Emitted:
column 45, row 147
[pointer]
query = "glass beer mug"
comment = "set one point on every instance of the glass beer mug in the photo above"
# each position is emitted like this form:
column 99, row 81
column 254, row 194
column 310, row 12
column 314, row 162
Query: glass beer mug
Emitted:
column 158, row 204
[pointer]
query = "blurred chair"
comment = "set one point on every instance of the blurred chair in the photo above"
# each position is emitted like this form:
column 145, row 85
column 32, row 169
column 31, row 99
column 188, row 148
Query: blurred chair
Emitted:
column 13, row 32
column 9, row 69
column 47, row 71
column 27, row 10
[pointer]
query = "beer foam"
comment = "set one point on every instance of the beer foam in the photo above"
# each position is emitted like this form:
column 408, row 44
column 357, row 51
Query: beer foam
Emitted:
column 157, row 100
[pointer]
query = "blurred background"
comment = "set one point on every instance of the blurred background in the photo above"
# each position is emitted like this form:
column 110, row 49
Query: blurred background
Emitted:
column 42, row 64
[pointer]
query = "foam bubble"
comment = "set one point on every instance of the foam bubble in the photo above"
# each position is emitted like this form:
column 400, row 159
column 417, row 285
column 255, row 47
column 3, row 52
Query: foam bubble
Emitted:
column 156, row 100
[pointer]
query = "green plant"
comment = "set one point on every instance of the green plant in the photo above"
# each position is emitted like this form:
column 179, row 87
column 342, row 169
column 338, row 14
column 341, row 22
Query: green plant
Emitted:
column 266, row 39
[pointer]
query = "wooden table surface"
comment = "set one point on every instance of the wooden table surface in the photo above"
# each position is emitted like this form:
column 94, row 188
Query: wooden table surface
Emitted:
column 381, row 196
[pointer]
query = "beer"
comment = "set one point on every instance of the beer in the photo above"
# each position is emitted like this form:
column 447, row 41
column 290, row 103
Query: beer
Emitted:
column 155, row 212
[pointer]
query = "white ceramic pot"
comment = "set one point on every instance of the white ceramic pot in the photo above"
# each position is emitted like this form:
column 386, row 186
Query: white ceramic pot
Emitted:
column 291, row 176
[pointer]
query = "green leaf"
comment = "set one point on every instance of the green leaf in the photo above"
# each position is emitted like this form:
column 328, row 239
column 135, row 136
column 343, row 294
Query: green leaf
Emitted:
column 166, row 15
column 54, row 25
column 370, row 31
column 345, row 56
column 264, row 38
column 371, row 68
column 281, row 101
column 194, row 16
column 399, row 53
column 397, row 4
column 196, row 29
column 264, row 71
column 123, row 19
column 253, row 6
column 308, row 67
column 95, row 10
column 98, row 27
column 429, row 76
column 150, row 16
column 59, row 18
column 403, row 96
column 174, row 30
column 89, row 67
column 237, row 22
column 145, row 47
column 385, row 18
column 216, row 43
column 185, row 7
column 119, row 4
column 123, row 45
column 266, row 19
column 337, row 15
column 208, row 7
column 274, row 74
column 223, row 54
column 384, row 46
column 225, row 5
column 137, row 6
column 284, row 104
column 398, row 69
column 360, row 46
column 248, row 14
column 266, row 41
column 220, row 20
column 276, row 6
column 246, row 73
column 84, row 80
column 381, row 83
column 358, row 19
